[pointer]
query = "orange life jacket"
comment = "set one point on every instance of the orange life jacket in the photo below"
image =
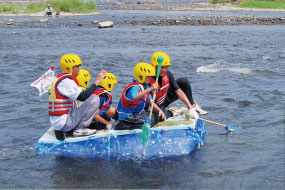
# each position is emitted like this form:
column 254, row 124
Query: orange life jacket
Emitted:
column 59, row 104
column 162, row 90
column 107, row 102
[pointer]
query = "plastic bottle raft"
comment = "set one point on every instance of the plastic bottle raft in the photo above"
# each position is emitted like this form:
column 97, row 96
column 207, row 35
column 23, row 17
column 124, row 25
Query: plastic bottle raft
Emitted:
column 174, row 137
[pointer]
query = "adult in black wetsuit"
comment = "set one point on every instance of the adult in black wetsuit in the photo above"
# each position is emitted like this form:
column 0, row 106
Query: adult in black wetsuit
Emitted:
column 171, row 89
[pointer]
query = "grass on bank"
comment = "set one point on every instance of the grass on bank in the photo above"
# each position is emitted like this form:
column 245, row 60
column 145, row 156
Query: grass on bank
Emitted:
column 261, row 4
column 264, row 4
column 74, row 6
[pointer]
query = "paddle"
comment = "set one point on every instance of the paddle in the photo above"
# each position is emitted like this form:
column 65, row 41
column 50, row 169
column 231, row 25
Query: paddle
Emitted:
column 227, row 127
column 146, row 125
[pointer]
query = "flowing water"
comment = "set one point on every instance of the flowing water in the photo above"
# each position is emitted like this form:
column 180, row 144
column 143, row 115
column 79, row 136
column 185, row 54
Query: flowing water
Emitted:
column 237, row 73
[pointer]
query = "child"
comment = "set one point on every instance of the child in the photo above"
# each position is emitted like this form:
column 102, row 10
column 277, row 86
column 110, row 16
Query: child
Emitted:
column 171, row 90
column 105, row 112
column 102, row 118
column 134, row 98
column 65, row 114
column 83, row 78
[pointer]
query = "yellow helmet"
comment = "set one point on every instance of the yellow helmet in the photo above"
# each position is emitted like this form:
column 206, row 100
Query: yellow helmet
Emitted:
column 83, row 78
column 108, row 82
column 156, row 55
column 143, row 70
column 69, row 61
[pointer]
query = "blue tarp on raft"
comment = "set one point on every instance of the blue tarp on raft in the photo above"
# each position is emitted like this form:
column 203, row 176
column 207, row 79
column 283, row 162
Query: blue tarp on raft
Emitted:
column 163, row 142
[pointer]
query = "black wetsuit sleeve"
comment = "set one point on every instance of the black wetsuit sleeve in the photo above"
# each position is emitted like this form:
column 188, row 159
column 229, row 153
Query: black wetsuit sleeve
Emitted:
column 87, row 93
column 172, row 81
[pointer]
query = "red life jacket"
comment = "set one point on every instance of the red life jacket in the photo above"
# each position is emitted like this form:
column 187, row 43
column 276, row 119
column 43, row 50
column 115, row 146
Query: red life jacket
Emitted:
column 108, row 100
column 162, row 90
column 127, row 106
column 59, row 104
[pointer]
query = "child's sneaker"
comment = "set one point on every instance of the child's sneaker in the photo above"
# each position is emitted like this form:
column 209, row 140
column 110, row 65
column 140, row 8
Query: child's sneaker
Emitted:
column 199, row 109
column 83, row 132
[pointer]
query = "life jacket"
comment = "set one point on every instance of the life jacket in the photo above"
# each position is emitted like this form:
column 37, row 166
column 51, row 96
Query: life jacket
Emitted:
column 127, row 106
column 162, row 90
column 108, row 99
column 59, row 104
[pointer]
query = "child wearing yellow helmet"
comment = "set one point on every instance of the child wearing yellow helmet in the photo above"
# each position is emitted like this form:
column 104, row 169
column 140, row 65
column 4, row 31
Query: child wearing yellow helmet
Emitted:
column 105, row 112
column 131, row 107
column 65, row 114
column 102, row 118
column 171, row 89
column 83, row 78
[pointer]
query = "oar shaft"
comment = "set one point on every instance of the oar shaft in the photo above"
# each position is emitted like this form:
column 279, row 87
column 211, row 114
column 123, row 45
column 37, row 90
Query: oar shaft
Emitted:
column 159, row 60
column 151, row 108
column 223, row 125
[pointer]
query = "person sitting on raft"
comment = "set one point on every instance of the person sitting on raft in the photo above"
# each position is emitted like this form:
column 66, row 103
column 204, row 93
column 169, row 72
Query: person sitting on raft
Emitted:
column 105, row 112
column 134, row 98
column 170, row 89
column 65, row 114
column 83, row 79
column 48, row 11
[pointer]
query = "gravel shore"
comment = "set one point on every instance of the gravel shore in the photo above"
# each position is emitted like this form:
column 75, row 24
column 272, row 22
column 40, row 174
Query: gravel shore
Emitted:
column 188, row 7
column 186, row 19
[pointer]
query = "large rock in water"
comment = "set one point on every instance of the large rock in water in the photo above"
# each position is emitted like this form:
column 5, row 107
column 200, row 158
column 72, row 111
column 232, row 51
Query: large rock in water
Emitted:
column 105, row 24
column 44, row 20
column 10, row 22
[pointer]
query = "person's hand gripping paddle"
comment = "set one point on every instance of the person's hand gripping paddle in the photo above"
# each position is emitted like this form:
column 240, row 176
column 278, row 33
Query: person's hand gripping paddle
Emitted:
column 146, row 125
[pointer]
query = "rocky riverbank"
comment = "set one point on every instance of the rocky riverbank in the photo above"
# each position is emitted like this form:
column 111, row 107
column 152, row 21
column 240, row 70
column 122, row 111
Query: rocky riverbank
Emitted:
column 187, row 7
column 200, row 20
column 187, row 18
column 157, row 21
column 214, row 20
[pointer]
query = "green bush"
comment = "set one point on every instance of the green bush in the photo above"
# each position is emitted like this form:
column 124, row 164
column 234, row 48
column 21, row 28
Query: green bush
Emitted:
column 74, row 6
column 271, row 0
column 77, row 6
column 264, row 4
column 218, row 1
column 13, row 8
column 221, row 1
column 35, row 7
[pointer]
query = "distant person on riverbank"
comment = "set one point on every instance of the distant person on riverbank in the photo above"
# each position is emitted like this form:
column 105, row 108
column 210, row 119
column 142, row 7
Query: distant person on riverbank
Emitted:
column 170, row 89
column 136, row 95
column 105, row 112
column 48, row 11
column 66, row 115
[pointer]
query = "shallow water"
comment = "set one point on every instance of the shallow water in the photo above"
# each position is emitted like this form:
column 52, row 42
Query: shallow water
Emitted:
column 236, row 73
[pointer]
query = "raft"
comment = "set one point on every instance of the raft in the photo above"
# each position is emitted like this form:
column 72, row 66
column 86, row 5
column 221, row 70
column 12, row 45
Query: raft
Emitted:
column 173, row 137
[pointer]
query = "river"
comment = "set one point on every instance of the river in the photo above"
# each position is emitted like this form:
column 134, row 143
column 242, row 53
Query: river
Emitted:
column 236, row 73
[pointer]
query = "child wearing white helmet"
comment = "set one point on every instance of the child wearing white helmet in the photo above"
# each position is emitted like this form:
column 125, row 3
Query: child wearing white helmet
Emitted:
column 131, row 108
